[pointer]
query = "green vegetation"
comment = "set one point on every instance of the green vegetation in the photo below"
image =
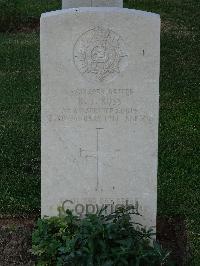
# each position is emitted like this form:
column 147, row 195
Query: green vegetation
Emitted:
column 17, row 14
column 19, row 123
column 96, row 240
column 178, row 181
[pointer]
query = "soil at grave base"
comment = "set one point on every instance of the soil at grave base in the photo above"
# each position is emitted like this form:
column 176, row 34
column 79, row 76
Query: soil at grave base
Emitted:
column 15, row 239
column 172, row 235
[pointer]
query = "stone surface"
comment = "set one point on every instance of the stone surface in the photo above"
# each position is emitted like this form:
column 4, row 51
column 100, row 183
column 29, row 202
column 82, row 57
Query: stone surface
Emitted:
column 75, row 3
column 100, row 105
column 107, row 3
column 91, row 3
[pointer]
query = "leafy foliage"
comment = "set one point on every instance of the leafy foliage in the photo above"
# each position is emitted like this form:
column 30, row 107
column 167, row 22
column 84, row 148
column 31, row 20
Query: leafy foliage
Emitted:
column 97, row 239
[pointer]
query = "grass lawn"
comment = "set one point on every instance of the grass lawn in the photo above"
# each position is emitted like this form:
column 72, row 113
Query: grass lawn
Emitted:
column 178, row 172
column 20, row 123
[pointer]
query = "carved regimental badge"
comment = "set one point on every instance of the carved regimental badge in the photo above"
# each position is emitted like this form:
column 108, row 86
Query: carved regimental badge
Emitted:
column 100, row 54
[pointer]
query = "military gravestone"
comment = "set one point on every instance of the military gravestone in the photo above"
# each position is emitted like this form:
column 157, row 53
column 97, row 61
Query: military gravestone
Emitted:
column 91, row 3
column 100, row 105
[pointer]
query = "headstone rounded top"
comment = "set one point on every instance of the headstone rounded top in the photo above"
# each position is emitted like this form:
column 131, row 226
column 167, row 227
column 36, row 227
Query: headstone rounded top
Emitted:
column 100, row 10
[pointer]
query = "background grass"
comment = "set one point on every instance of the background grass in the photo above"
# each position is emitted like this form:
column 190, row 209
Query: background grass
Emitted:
column 15, row 14
column 19, row 123
column 178, row 172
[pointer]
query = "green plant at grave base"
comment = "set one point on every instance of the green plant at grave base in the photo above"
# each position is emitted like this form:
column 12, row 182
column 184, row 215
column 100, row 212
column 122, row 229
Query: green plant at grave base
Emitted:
column 97, row 239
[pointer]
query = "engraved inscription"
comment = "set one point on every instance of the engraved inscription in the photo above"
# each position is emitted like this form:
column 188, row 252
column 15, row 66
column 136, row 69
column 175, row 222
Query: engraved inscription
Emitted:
column 107, row 105
column 100, row 55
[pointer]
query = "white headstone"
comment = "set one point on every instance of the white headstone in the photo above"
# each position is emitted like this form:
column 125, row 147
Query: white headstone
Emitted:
column 107, row 3
column 91, row 3
column 100, row 104
column 75, row 3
